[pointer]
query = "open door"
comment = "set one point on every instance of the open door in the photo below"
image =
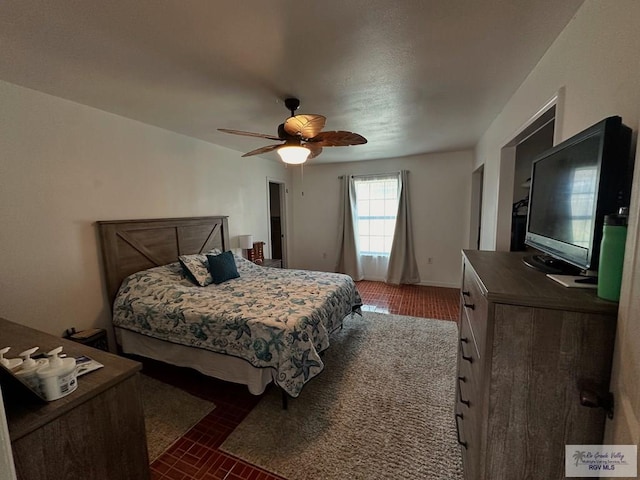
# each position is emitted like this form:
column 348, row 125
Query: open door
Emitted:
column 277, row 221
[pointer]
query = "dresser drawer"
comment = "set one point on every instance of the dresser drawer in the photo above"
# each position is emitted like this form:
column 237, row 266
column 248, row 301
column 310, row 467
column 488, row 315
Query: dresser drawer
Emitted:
column 474, row 307
column 468, row 438
column 469, row 446
column 470, row 373
column 468, row 380
column 469, row 389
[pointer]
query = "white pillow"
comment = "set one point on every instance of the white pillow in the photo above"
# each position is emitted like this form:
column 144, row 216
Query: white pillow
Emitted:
column 196, row 267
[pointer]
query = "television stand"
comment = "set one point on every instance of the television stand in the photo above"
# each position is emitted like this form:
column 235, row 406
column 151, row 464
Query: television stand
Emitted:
column 549, row 264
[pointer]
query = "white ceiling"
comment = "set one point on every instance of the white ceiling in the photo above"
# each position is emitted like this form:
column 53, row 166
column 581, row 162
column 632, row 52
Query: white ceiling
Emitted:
column 412, row 76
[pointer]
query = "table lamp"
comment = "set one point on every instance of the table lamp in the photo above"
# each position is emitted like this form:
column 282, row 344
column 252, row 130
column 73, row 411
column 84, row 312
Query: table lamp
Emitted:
column 246, row 243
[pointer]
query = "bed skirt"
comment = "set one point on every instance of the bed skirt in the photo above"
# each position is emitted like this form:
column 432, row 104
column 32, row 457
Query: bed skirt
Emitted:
column 224, row 367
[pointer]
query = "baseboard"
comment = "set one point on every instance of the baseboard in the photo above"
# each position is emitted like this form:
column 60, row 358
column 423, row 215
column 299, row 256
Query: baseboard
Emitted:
column 422, row 284
column 440, row 284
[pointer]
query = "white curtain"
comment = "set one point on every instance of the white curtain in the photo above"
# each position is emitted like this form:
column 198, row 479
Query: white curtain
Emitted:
column 374, row 267
column 349, row 255
column 402, row 260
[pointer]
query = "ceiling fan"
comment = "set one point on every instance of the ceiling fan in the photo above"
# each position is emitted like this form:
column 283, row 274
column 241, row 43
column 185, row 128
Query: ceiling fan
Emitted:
column 302, row 136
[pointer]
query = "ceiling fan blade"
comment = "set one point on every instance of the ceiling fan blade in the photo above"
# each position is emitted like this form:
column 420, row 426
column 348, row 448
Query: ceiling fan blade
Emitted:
column 314, row 148
column 258, row 151
column 249, row 134
column 338, row 138
column 304, row 126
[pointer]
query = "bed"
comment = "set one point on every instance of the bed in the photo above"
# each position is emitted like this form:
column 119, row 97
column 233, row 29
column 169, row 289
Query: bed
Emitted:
column 267, row 325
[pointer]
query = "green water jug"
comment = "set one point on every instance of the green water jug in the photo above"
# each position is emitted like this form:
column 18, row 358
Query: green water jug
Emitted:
column 614, row 237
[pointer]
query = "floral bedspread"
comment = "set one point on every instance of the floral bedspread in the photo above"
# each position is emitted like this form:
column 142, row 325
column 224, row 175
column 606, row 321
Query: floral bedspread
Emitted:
column 270, row 317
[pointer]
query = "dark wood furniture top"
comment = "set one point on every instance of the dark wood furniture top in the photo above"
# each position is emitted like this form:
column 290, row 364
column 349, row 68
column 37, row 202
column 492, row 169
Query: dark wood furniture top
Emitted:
column 272, row 262
column 95, row 432
column 506, row 279
column 130, row 246
column 27, row 416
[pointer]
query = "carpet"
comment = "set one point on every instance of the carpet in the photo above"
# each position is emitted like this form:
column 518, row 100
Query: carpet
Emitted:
column 382, row 408
column 169, row 413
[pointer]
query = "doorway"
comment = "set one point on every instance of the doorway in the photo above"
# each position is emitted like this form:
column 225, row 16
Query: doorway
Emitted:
column 477, row 186
column 277, row 224
column 527, row 150
column 539, row 134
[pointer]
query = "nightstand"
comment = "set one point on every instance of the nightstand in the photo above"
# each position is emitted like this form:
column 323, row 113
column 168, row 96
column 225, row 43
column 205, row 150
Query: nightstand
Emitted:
column 95, row 337
column 272, row 262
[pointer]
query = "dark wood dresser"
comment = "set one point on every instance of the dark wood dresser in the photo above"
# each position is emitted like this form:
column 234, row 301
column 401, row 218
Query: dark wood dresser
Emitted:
column 528, row 347
column 97, row 432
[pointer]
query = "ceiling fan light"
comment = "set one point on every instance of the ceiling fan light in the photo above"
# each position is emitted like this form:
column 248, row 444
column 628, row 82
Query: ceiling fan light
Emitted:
column 294, row 155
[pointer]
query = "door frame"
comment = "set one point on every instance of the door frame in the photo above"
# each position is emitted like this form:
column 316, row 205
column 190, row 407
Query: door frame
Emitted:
column 508, row 165
column 7, row 467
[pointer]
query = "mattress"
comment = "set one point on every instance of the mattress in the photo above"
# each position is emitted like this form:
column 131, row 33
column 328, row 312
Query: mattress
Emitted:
column 276, row 320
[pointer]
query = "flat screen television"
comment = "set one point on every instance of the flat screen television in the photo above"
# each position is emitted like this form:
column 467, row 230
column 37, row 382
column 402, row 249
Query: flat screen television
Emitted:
column 573, row 186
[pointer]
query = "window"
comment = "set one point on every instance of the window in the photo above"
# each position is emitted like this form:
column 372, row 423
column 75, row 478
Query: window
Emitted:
column 377, row 206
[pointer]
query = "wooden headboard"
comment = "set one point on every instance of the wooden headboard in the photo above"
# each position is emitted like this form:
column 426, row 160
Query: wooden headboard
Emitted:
column 129, row 246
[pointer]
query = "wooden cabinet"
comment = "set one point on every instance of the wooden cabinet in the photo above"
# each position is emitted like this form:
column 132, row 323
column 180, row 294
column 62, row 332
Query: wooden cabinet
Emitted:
column 527, row 348
column 95, row 433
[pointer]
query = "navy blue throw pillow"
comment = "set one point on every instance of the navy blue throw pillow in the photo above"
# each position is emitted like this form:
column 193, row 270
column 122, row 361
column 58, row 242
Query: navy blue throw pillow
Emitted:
column 222, row 267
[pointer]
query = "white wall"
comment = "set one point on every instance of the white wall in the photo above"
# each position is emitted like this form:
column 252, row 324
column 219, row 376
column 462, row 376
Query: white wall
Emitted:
column 440, row 199
column 63, row 166
column 625, row 427
column 596, row 60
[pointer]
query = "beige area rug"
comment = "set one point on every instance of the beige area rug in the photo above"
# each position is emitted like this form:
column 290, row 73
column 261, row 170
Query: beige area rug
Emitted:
column 381, row 409
column 169, row 413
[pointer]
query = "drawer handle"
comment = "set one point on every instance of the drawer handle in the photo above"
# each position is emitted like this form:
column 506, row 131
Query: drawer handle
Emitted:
column 460, row 442
column 590, row 398
column 472, row 306
column 464, row 339
column 466, row 293
column 464, row 357
column 462, row 400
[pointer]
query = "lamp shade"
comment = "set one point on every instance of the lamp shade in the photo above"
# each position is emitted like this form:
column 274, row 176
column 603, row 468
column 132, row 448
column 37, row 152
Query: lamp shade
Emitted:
column 294, row 155
column 246, row 241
